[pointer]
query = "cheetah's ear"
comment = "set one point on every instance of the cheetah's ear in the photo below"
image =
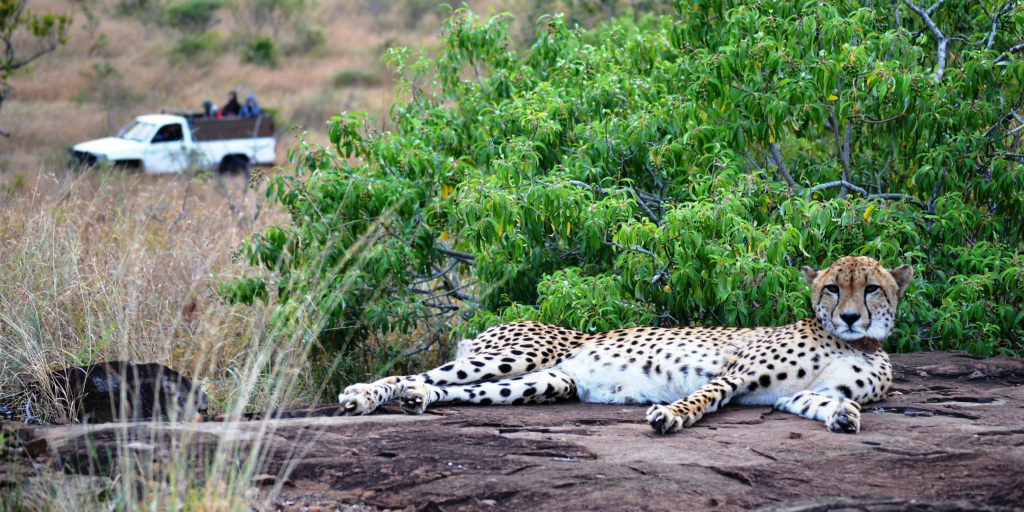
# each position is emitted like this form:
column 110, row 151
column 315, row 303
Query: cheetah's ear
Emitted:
column 903, row 275
column 809, row 274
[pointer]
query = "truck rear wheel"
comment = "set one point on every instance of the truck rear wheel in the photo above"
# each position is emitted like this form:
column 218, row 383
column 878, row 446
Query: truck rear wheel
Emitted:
column 234, row 164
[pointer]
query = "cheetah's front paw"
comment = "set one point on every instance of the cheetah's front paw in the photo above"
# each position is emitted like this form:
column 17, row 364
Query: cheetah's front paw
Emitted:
column 415, row 397
column 358, row 399
column 845, row 419
column 670, row 418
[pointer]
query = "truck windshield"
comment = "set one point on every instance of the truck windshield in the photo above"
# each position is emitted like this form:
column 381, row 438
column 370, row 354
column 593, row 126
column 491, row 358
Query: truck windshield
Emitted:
column 137, row 131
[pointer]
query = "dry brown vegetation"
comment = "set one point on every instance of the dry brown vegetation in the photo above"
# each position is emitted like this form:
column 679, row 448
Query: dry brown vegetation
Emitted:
column 103, row 266
column 53, row 105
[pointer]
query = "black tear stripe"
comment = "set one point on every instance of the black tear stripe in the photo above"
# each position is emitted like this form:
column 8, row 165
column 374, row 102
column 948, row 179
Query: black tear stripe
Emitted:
column 868, row 309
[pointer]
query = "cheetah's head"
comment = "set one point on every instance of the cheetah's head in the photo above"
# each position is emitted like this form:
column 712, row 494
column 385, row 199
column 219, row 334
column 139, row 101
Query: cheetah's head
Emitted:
column 856, row 298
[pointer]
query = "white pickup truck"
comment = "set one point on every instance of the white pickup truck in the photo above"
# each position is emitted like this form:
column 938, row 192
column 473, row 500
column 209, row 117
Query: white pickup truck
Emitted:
column 162, row 143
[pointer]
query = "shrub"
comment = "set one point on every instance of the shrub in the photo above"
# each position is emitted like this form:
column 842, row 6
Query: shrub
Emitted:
column 192, row 16
column 663, row 172
column 261, row 51
column 144, row 10
column 354, row 77
column 196, row 49
column 307, row 41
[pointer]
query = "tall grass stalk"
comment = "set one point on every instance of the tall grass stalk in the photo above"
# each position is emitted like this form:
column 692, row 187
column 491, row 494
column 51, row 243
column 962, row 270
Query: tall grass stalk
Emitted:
column 103, row 267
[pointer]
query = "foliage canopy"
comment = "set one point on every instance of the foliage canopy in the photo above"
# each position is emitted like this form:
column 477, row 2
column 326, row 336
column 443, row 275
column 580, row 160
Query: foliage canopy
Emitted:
column 664, row 171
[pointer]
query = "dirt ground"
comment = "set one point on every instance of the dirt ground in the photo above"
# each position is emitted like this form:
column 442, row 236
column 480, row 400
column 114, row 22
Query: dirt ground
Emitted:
column 949, row 437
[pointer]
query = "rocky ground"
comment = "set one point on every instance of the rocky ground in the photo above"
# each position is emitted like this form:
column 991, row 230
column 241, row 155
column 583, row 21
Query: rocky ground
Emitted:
column 949, row 437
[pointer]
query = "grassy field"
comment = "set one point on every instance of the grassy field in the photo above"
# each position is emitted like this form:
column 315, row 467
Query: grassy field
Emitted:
column 62, row 99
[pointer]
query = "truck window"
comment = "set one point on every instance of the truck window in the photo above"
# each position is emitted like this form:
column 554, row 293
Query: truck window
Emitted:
column 168, row 133
column 137, row 131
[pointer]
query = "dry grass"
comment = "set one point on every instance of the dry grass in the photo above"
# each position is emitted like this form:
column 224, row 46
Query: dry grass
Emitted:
column 106, row 267
column 49, row 109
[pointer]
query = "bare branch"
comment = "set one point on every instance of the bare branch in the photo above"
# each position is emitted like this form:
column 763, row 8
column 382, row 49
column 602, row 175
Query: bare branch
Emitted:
column 995, row 20
column 935, row 195
column 845, row 155
column 644, row 196
column 661, row 273
column 1013, row 157
column 580, row 184
column 1010, row 115
column 781, row 166
column 640, row 250
column 1007, row 53
column 453, row 292
column 855, row 188
column 464, row 257
column 840, row 183
column 941, row 41
column 479, row 79
column 932, row 8
column 882, row 121
column 643, row 206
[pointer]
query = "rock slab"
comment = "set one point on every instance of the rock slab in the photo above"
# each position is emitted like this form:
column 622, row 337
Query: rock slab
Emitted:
column 949, row 437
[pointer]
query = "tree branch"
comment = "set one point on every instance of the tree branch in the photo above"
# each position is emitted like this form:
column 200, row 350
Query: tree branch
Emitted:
column 1013, row 157
column 464, row 257
column 846, row 155
column 935, row 195
column 643, row 206
column 941, row 40
column 840, row 183
column 781, row 166
column 881, row 121
column 627, row 249
column 855, row 188
column 1007, row 53
column 995, row 20
column 644, row 196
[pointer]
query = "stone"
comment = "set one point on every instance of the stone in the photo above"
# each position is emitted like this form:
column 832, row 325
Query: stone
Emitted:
column 111, row 391
column 546, row 458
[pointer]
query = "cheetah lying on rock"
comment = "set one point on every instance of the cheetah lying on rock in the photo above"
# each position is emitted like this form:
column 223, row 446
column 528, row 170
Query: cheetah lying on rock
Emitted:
column 820, row 368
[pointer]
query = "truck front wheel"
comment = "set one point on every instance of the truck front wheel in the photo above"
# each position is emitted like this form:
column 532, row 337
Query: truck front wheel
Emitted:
column 129, row 165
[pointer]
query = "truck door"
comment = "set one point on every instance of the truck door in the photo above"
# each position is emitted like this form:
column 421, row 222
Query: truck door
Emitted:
column 167, row 151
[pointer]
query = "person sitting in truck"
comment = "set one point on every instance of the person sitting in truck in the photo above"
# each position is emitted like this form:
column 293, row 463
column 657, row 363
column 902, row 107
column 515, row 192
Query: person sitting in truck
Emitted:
column 232, row 107
column 251, row 108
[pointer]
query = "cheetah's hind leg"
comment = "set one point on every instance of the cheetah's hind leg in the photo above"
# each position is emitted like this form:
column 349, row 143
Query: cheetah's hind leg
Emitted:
column 538, row 387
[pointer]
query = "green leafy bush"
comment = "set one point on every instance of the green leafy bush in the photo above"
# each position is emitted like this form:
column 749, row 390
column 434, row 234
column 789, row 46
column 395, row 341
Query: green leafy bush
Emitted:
column 192, row 16
column 196, row 49
column 353, row 77
column 261, row 51
column 665, row 172
column 307, row 41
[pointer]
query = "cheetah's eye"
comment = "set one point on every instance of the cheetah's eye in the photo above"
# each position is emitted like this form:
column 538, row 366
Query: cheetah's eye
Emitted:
column 871, row 289
column 832, row 288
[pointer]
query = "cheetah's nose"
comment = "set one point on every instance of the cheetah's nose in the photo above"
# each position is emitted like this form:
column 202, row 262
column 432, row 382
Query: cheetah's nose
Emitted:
column 850, row 318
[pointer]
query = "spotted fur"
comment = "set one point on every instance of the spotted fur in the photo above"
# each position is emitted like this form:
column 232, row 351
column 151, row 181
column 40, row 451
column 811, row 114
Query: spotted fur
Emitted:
column 820, row 368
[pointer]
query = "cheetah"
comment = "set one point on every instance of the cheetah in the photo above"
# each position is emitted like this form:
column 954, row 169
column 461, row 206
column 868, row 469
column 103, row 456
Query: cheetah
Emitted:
column 820, row 368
